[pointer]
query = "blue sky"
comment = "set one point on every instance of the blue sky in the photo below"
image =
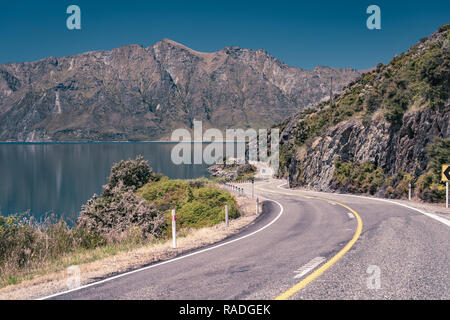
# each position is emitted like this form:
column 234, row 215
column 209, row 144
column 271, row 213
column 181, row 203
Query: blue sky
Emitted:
column 300, row 33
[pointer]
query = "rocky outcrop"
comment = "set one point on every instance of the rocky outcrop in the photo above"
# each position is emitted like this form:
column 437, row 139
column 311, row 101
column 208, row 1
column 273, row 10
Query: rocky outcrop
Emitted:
column 223, row 172
column 144, row 93
column 233, row 171
column 379, row 143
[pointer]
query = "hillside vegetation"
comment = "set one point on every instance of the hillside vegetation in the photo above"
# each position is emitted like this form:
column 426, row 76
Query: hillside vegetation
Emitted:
column 387, row 128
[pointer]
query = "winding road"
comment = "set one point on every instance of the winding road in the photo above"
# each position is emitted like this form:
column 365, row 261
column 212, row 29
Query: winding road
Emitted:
column 305, row 245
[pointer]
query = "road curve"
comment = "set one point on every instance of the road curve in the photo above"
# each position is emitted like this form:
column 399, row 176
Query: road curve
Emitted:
column 405, row 252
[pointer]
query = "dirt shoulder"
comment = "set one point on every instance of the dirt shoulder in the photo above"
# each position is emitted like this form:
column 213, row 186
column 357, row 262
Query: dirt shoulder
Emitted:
column 44, row 285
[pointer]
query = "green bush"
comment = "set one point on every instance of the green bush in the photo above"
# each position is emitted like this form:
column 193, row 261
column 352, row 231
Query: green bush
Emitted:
column 357, row 177
column 429, row 185
column 245, row 172
column 246, row 169
column 131, row 173
column 402, row 188
column 119, row 211
column 439, row 153
column 429, row 190
column 197, row 204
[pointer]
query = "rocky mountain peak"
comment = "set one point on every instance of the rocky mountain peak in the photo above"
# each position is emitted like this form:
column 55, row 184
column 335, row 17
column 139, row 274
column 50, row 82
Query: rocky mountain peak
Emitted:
column 143, row 93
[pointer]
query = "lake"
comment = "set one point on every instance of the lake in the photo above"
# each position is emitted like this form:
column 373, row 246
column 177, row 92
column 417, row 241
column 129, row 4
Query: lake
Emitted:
column 60, row 177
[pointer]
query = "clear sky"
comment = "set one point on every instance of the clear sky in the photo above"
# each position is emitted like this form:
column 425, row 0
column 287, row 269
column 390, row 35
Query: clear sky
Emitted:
column 300, row 33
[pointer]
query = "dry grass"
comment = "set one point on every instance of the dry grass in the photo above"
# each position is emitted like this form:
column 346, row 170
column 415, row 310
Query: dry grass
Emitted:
column 106, row 261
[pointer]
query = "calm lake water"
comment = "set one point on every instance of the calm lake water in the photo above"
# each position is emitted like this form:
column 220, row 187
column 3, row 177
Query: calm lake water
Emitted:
column 60, row 177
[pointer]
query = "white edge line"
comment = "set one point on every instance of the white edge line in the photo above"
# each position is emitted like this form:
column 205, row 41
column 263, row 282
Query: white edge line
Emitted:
column 171, row 260
column 430, row 215
column 283, row 184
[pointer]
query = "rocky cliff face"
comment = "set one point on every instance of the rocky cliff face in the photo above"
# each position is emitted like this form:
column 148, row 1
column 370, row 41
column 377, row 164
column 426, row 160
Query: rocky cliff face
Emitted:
column 379, row 134
column 137, row 93
column 352, row 141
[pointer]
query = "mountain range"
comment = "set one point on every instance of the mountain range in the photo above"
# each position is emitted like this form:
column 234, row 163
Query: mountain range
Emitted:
column 143, row 93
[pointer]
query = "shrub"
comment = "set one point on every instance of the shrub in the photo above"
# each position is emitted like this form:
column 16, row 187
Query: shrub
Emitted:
column 245, row 172
column 246, row 169
column 444, row 28
column 429, row 185
column 402, row 188
column 206, row 209
column 428, row 190
column 132, row 174
column 439, row 153
column 119, row 213
column 25, row 244
column 357, row 177
column 16, row 241
column 197, row 203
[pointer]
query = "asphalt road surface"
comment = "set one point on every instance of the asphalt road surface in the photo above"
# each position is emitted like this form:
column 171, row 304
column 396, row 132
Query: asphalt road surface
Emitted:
column 305, row 245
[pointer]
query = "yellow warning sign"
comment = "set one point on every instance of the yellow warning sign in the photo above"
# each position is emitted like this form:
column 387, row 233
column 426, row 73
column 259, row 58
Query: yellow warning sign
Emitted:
column 445, row 172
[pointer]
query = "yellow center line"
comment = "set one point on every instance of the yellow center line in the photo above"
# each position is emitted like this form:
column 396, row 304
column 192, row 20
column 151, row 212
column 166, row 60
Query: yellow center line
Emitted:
column 303, row 283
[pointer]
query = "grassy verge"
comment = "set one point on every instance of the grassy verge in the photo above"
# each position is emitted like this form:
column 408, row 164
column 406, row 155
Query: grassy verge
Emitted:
column 132, row 212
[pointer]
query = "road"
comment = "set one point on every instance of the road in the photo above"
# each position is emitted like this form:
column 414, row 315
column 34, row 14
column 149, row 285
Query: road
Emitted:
column 305, row 245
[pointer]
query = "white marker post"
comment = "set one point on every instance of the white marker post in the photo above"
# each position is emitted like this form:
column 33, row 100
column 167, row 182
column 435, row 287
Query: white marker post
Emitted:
column 174, row 230
column 446, row 197
column 409, row 191
column 253, row 188
column 226, row 215
column 257, row 205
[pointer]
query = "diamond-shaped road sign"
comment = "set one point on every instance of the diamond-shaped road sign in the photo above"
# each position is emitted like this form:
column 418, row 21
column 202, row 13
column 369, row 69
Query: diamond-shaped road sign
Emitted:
column 445, row 172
